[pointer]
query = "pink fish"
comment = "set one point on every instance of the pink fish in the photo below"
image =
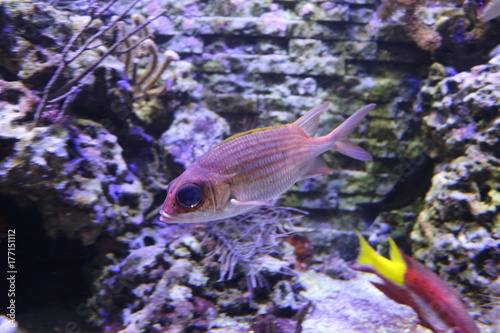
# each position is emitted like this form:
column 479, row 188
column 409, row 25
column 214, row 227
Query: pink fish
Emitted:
column 249, row 169
column 405, row 281
column 487, row 10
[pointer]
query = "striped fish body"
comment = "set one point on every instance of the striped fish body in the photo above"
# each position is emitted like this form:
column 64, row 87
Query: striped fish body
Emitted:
column 252, row 168
column 272, row 161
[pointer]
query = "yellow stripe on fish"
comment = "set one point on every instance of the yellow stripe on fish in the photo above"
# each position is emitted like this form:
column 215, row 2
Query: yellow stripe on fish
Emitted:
column 250, row 169
column 255, row 130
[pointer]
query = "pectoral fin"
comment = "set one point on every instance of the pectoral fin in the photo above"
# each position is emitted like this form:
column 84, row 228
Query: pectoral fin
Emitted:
column 251, row 203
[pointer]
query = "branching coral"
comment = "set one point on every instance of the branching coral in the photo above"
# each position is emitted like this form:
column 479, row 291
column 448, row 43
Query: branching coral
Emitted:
column 140, row 46
column 423, row 35
column 246, row 239
column 67, row 93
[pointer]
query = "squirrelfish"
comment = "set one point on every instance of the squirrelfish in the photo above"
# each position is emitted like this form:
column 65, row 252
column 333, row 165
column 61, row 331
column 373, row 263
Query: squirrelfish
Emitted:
column 249, row 169
column 405, row 281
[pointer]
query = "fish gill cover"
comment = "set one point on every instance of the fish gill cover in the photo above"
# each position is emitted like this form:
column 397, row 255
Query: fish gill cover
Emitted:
column 103, row 103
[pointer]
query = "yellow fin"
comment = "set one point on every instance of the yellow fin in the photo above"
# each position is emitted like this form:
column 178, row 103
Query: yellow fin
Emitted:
column 394, row 269
column 395, row 254
column 255, row 130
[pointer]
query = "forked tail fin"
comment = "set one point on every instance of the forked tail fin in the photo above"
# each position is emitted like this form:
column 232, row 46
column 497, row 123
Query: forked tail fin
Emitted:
column 339, row 140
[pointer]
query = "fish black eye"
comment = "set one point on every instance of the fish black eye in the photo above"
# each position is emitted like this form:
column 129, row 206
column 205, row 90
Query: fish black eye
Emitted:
column 189, row 196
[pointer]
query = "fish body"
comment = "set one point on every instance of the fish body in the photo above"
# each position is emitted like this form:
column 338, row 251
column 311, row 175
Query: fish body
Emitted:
column 250, row 169
column 408, row 282
column 488, row 10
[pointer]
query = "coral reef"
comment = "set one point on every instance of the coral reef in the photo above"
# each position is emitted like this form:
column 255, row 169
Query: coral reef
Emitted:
column 68, row 91
column 193, row 132
column 139, row 46
column 424, row 36
column 359, row 307
column 169, row 284
column 442, row 27
column 74, row 169
column 170, row 276
column 458, row 229
column 128, row 93
column 81, row 188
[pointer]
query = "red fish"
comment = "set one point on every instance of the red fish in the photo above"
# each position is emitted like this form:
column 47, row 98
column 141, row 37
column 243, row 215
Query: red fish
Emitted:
column 405, row 281
column 250, row 169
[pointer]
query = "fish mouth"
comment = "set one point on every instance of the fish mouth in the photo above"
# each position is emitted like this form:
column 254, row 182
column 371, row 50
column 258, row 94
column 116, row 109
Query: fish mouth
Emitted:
column 164, row 217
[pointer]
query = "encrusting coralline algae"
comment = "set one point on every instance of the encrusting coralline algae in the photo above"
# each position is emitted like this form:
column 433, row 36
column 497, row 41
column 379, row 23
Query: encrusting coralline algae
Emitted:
column 458, row 229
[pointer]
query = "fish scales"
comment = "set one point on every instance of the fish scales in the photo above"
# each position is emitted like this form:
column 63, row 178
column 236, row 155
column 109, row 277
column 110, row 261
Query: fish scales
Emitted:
column 252, row 168
column 264, row 143
column 267, row 166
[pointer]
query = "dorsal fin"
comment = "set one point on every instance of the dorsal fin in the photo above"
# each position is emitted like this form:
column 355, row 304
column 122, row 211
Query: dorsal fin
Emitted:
column 309, row 121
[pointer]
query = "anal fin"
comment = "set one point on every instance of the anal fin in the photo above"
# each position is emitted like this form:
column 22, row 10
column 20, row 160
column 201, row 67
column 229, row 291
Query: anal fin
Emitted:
column 317, row 167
